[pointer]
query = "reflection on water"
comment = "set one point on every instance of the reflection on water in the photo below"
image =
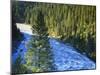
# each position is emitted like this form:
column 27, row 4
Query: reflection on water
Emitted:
column 38, row 54
column 21, row 48
column 66, row 58
column 39, row 51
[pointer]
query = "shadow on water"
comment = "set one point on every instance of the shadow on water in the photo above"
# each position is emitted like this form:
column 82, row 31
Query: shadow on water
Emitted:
column 44, row 54
column 19, row 46
column 16, row 43
column 37, row 55
column 17, row 36
column 84, row 46
column 61, row 51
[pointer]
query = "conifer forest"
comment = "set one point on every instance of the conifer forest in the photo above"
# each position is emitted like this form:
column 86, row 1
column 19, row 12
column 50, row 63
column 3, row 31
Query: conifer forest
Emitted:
column 52, row 37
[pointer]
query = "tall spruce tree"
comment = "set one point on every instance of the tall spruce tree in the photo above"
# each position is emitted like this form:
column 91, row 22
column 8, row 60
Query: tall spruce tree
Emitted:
column 40, row 28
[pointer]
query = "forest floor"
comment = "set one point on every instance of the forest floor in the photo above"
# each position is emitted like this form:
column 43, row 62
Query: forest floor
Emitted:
column 65, row 57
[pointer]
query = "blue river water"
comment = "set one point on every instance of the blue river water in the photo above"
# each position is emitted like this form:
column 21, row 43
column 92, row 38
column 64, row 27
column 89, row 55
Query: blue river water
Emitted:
column 22, row 49
column 65, row 57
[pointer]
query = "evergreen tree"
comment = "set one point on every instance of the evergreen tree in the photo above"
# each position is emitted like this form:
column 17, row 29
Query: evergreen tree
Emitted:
column 40, row 28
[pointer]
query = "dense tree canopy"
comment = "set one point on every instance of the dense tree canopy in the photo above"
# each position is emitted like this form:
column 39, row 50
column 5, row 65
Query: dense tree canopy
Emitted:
column 75, row 24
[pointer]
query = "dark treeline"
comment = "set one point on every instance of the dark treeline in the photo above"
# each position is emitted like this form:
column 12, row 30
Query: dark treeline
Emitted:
column 74, row 24
column 16, row 35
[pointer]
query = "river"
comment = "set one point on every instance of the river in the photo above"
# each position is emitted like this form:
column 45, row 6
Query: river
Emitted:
column 65, row 57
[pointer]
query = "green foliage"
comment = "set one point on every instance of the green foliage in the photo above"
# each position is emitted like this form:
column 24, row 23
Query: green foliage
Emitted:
column 38, row 57
column 40, row 27
column 75, row 24
column 18, row 68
